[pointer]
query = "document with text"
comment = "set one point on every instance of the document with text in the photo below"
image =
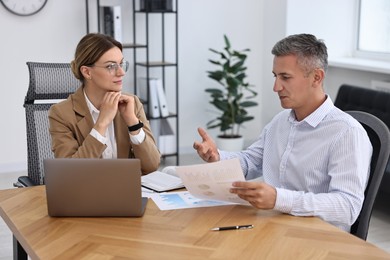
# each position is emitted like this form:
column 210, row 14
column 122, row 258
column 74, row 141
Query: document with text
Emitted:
column 212, row 181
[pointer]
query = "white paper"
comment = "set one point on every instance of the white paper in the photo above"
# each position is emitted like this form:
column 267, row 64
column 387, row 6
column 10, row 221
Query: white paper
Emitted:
column 182, row 200
column 212, row 181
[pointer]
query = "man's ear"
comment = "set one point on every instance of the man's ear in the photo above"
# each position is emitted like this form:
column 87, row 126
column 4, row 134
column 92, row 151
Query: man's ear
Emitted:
column 86, row 71
column 318, row 77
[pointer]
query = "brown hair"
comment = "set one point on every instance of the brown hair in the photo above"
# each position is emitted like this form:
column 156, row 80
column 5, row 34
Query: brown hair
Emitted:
column 90, row 48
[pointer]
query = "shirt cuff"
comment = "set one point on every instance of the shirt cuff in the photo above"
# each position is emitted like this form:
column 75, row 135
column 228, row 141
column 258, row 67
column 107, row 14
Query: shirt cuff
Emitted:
column 138, row 138
column 284, row 201
column 98, row 136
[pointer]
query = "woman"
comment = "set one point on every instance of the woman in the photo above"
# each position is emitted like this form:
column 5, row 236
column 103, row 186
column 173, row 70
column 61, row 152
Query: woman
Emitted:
column 98, row 121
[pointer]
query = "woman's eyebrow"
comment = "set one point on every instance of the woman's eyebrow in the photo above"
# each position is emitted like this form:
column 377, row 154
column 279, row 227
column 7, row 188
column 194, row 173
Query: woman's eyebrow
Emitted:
column 112, row 61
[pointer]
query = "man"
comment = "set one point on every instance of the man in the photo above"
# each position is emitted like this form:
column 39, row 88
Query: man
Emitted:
column 314, row 157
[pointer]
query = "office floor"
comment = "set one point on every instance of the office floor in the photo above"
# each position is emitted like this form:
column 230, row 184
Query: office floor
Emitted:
column 378, row 233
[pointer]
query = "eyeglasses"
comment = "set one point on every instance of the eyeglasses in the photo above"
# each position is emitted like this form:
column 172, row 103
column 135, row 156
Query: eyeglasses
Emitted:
column 113, row 67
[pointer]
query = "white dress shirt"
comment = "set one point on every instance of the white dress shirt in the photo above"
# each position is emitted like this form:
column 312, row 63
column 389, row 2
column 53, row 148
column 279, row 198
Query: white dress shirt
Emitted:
column 319, row 166
column 109, row 140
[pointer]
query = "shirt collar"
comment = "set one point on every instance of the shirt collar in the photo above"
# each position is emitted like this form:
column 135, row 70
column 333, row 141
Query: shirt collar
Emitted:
column 91, row 107
column 318, row 115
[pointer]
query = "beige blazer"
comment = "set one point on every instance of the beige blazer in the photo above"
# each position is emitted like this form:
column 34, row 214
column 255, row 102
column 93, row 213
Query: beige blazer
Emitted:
column 71, row 122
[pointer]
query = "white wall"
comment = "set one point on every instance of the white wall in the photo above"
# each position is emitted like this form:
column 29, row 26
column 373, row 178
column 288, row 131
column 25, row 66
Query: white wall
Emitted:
column 274, row 19
column 331, row 20
column 202, row 25
column 335, row 22
column 52, row 34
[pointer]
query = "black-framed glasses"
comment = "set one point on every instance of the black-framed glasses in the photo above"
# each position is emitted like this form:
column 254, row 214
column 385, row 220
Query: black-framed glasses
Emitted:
column 113, row 67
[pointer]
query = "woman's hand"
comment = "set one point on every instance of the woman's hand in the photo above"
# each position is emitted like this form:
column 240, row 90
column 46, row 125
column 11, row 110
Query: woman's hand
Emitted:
column 108, row 110
column 126, row 108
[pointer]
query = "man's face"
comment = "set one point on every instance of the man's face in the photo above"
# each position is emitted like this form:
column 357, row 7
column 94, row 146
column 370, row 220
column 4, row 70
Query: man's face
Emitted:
column 292, row 84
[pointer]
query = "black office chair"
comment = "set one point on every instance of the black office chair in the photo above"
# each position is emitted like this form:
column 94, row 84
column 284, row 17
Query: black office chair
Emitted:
column 49, row 83
column 373, row 101
column 379, row 135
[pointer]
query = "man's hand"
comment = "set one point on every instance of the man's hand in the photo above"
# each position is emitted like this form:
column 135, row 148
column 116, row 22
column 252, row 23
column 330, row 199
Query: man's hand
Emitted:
column 259, row 194
column 207, row 150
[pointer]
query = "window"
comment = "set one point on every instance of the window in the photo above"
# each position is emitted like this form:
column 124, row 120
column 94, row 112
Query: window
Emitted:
column 373, row 39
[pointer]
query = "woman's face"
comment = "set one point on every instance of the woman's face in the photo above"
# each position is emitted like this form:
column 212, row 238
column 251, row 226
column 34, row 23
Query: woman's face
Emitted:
column 107, row 74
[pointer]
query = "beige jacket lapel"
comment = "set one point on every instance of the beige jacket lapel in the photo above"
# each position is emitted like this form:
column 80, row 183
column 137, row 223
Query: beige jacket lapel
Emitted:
column 84, row 118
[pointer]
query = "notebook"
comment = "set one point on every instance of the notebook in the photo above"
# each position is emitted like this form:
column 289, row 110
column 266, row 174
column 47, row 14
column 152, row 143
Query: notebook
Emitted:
column 94, row 187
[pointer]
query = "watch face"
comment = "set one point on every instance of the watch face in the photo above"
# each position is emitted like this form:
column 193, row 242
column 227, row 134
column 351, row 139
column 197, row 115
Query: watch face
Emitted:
column 24, row 7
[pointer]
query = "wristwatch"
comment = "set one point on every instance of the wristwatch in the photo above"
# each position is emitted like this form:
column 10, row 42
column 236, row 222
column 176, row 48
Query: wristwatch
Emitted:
column 136, row 127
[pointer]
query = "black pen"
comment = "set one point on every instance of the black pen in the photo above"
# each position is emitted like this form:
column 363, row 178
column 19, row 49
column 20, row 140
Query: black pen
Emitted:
column 232, row 227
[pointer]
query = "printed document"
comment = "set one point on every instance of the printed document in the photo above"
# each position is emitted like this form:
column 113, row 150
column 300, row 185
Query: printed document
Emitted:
column 182, row 200
column 212, row 181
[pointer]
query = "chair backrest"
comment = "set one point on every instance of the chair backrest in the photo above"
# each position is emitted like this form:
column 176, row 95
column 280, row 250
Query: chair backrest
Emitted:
column 379, row 135
column 368, row 100
column 49, row 82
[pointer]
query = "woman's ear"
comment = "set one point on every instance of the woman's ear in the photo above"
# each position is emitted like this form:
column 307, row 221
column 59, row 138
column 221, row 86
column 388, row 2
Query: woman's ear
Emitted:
column 86, row 72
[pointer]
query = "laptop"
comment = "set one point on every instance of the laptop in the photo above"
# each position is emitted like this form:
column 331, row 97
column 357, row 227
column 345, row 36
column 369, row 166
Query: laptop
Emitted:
column 94, row 187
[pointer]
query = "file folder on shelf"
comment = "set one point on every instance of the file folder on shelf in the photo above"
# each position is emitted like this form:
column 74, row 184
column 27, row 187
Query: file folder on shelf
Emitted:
column 111, row 21
column 162, row 100
column 167, row 138
column 164, row 136
column 153, row 108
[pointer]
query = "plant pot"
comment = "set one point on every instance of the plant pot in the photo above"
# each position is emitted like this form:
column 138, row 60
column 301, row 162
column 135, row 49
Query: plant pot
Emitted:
column 231, row 144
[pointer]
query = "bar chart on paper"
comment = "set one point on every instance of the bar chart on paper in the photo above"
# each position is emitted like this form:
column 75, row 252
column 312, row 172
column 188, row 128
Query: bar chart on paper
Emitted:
column 182, row 200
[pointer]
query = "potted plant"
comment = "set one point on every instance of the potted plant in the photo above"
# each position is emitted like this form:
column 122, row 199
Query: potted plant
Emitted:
column 233, row 96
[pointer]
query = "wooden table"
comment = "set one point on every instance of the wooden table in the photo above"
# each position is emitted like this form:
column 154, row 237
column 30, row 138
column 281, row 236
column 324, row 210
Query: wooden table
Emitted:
column 176, row 234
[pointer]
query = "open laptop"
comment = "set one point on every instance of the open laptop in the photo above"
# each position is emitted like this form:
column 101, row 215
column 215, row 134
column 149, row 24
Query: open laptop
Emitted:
column 94, row 187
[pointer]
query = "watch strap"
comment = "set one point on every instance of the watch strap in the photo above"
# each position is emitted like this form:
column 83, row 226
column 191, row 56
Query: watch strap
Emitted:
column 136, row 127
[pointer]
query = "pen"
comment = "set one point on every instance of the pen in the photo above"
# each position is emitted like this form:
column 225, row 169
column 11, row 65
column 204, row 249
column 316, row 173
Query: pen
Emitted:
column 232, row 227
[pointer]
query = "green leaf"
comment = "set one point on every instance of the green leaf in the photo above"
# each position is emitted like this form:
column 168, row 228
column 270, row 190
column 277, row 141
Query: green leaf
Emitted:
column 241, row 77
column 215, row 51
column 221, row 105
column 215, row 62
column 214, row 91
column 227, row 42
column 248, row 104
column 216, row 75
column 236, row 67
column 240, row 55
column 210, row 126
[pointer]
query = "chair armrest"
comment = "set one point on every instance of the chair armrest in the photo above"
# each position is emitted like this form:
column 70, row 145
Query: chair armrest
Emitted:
column 24, row 181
